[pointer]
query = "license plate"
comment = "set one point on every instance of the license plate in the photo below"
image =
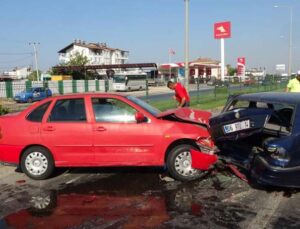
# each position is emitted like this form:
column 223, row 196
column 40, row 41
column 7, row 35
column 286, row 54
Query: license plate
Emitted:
column 236, row 126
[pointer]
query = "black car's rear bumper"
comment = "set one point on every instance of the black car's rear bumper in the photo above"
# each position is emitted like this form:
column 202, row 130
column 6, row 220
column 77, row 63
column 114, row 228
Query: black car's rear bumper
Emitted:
column 265, row 173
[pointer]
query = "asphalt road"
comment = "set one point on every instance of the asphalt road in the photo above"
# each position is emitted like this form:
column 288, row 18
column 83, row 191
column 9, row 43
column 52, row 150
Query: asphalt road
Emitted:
column 139, row 198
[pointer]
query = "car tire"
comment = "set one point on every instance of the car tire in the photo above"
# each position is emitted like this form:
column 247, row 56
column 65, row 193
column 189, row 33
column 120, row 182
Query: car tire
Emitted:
column 29, row 100
column 180, row 200
column 37, row 163
column 43, row 203
column 179, row 164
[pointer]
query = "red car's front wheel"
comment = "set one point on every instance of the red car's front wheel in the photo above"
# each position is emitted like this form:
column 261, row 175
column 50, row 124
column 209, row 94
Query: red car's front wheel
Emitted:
column 179, row 163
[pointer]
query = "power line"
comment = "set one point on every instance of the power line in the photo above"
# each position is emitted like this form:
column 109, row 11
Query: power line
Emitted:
column 14, row 66
column 15, row 54
column 16, row 60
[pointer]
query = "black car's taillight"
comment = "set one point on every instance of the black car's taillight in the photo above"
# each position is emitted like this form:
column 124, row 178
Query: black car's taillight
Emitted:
column 277, row 153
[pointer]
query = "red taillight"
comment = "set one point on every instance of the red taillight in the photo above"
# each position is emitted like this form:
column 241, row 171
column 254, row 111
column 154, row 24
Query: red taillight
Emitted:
column 1, row 132
column 206, row 142
column 206, row 145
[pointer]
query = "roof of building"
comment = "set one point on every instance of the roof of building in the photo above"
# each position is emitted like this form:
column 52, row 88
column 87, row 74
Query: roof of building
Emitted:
column 92, row 46
column 205, row 60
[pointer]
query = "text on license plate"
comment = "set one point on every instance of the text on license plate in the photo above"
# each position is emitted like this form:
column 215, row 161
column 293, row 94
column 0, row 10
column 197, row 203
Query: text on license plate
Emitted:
column 236, row 126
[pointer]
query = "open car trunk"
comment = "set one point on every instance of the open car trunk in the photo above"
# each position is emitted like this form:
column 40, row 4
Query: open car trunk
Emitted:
column 240, row 132
column 238, row 123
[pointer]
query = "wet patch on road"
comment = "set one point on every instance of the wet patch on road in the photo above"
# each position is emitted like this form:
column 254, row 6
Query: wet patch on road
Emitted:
column 142, row 200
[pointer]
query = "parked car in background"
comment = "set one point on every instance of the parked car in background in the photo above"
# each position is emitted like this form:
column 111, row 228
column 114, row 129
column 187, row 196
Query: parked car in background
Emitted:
column 33, row 94
column 217, row 82
column 249, row 82
column 260, row 133
column 84, row 130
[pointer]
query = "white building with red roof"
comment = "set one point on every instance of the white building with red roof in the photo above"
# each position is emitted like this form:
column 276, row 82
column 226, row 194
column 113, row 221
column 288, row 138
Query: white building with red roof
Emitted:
column 97, row 53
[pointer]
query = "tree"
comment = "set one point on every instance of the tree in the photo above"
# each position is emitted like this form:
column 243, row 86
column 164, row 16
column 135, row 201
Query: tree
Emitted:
column 231, row 70
column 33, row 76
column 77, row 60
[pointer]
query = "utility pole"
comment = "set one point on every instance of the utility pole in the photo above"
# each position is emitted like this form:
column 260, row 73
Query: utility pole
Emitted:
column 35, row 57
column 186, row 46
column 290, row 70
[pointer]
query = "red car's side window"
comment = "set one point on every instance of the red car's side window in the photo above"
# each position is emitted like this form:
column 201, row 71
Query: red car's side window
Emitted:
column 113, row 110
column 68, row 110
column 37, row 114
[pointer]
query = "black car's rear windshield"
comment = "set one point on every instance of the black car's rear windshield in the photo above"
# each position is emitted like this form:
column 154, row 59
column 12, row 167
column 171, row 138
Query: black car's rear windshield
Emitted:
column 282, row 115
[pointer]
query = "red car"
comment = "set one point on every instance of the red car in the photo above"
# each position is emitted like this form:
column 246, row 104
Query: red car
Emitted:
column 86, row 130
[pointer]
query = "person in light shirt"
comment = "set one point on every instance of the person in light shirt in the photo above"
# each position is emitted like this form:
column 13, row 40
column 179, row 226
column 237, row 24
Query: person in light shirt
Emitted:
column 294, row 84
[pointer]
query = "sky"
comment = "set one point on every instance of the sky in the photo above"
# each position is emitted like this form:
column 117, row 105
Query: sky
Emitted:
column 148, row 29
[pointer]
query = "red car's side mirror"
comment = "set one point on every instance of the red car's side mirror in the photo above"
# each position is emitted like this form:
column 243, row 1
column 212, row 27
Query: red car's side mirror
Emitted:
column 140, row 117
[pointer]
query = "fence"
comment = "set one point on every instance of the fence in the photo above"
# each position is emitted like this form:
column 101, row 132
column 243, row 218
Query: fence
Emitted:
column 202, row 96
column 9, row 89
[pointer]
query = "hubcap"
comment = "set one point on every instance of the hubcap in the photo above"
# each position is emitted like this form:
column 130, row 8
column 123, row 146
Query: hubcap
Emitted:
column 183, row 164
column 36, row 163
column 40, row 202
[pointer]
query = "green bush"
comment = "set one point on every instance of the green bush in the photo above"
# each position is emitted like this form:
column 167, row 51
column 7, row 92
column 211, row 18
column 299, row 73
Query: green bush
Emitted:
column 3, row 110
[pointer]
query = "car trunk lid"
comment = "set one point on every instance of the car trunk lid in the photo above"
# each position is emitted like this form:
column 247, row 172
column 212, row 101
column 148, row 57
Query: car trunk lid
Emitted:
column 238, row 124
column 187, row 115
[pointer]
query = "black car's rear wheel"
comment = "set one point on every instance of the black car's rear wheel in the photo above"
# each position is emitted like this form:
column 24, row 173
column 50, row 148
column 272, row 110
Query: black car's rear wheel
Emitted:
column 37, row 163
column 179, row 163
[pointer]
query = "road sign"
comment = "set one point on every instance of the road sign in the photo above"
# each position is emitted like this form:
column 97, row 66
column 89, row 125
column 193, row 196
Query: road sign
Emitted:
column 242, row 61
column 280, row 67
column 222, row 30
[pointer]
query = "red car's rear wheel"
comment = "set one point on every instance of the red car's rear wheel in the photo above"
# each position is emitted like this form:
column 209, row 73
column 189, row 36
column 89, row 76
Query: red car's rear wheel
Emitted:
column 37, row 163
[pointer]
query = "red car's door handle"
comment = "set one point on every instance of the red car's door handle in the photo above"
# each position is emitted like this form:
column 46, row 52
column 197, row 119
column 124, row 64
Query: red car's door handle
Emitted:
column 49, row 128
column 99, row 128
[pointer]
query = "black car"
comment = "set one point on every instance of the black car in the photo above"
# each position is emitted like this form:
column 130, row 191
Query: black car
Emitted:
column 260, row 133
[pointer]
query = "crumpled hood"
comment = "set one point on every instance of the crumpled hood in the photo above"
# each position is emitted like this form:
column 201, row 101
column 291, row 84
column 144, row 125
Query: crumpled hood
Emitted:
column 188, row 115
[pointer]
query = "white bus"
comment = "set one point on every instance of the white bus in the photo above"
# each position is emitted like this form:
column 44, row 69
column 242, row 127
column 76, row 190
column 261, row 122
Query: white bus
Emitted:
column 129, row 81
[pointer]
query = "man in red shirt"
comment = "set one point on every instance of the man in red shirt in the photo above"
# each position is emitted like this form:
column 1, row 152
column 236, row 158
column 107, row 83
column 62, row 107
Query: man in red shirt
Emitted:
column 181, row 95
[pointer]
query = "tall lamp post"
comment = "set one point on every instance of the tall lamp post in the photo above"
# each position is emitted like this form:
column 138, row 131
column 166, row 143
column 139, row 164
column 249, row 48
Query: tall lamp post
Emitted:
column 186, row 46
column 35, row 57
column 290, row 36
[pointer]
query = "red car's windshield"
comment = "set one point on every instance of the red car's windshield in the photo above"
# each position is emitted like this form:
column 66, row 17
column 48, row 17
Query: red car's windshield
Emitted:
column 144, row 105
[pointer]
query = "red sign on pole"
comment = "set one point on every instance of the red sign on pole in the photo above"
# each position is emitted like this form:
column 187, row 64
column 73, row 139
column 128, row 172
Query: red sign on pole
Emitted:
column 241, row 66
column 222, row 30
column 242, row 61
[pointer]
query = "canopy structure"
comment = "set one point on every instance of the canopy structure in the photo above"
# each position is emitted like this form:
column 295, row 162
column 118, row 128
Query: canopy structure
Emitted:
column 202, row 68
column 172, row 65
column 105, row 66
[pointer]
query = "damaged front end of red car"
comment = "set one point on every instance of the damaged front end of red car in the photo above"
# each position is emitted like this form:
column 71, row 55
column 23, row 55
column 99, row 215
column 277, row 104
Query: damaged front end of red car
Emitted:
column 206, row 157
